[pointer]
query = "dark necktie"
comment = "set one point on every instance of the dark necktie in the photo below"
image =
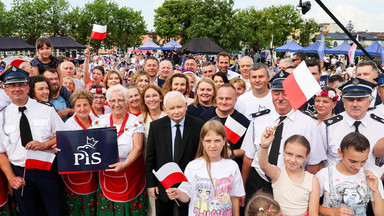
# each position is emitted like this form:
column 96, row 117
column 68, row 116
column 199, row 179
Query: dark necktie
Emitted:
column 176, row 154
column 356, row 124
column 25, row 129
column 275, row 148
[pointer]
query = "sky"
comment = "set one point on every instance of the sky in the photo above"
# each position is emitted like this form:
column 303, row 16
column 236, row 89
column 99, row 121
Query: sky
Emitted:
column 365, row 15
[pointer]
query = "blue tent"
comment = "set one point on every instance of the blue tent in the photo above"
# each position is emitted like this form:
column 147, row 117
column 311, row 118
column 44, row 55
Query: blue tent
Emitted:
column 375, row 49
column 341, row 49
column 150, row 45
column 171, row 45
column 292, row 46
column 313, row 48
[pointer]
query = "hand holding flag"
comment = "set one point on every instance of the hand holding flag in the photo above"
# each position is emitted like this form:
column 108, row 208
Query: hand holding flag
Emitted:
column 170, row 174
column 234, row 130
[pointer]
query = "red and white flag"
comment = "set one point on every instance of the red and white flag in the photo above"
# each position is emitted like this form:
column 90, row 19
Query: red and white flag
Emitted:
column 234, row 129
column 351, row 51
column 300, row 86
column 39, row 160
column 170, row 174
column 99, row 32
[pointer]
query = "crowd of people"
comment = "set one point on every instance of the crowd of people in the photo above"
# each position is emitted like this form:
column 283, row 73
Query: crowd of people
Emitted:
column 324, row 159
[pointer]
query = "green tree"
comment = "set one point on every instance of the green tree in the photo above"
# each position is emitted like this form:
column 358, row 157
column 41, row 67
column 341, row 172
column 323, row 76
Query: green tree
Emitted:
column 307, row 32
column 173, row 18
column 5, row 27
column 328, row 42
column 57, row 25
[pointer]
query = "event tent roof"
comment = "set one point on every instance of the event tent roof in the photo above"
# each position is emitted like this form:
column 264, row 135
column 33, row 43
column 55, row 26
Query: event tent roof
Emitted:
column 292, row 46
column 341, row 49
column 150, row 45
column 313, row 48
column 202, row 45
column 13, row 44
column 171, row 45
column 66, row 43
column 374, row 49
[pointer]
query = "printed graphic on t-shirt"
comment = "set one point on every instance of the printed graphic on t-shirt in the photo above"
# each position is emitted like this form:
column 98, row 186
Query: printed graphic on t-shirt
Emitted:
column 352, row 195
column 213, row 199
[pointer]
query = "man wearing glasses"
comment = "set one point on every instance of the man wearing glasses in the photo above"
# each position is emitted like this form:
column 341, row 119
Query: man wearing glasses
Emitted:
column 28, row 125
column 298, row 57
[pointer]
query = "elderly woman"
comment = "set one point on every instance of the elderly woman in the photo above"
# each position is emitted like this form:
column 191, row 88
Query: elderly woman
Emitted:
column 177, row 82
column 80, row 188
column 205, row 97
column 112, row 78
column 134, row 100
column 39, row 89
column 98, row 103
column 325, row 102
column 69, row 84
column 122, row 186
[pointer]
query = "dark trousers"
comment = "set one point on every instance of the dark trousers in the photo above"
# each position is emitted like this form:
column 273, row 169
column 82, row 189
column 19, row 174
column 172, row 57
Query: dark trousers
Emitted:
column 41, row 187
column 255, row 183
column 167, row 208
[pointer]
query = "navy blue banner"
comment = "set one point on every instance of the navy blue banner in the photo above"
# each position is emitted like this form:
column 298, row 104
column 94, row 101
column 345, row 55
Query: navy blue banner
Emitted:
column 86, row 150
column 324, row 81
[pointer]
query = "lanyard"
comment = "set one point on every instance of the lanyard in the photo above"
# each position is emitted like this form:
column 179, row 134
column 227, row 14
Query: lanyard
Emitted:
column 121, row 131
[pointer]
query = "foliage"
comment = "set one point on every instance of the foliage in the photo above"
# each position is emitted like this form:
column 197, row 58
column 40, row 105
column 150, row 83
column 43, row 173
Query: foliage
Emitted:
column 328, row 42
column 31, row 19
column 307, row 30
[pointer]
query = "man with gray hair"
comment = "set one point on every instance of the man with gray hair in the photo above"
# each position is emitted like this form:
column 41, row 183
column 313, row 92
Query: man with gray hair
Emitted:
column 173, row 138
column 165, row 71
column 245, row 64
column 284, row 63
column 68, row 70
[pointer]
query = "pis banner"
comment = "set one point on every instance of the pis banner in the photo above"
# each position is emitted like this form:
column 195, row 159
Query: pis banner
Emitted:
column 86, row 150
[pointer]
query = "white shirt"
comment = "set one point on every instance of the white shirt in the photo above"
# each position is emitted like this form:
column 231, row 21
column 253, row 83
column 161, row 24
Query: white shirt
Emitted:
column 4, row 99
column 72, row 124
column 248, row 104
column 106, row 111
column 296, row 123
column 78, row 83
column 334, row 134
column 125, row 141
column 43, row 121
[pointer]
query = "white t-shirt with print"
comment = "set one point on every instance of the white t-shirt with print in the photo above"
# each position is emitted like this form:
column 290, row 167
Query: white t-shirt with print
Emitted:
column 248, row 104
column 212, row 199
column 350, row 190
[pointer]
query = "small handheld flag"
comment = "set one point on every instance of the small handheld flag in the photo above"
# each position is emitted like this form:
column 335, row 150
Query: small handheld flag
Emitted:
column 99, row 32
column 300, row 86
column 234, row 130
column 351, row 51
column 170, row 174
column 39, row 160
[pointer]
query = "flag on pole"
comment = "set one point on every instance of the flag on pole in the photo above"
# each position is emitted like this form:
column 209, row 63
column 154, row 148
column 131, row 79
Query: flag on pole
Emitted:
column 234, row 129
column 39, row 160
column 300, row 86
column 351, row 51
column 170, row 174
column 99, row 32
column 321, row 49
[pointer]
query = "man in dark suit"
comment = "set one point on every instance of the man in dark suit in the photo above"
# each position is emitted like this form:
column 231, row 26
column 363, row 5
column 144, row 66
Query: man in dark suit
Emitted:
column 172, row 138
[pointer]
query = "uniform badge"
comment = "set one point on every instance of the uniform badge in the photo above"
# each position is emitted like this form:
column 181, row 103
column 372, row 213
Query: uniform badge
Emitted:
column 14, row 68
column 281, row 74
column 330, row 121
column 355, row 82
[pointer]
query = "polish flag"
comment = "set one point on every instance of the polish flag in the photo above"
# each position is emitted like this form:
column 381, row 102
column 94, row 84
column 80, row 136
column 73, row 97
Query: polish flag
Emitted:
column 351, row 51
column 39, row 160
column 300, row 86
column 234, row 130
column 170, row 174
column 99, row 32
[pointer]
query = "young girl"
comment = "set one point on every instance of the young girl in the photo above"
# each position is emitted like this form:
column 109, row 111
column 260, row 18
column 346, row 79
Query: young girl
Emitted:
column 262, row 204
column 291, row 179
column 45, row 59
column 215, row 182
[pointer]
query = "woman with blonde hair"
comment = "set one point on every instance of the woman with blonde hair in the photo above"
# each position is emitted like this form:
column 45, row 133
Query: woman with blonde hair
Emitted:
column 141, row 79
column 205, row 97
column 112, row 78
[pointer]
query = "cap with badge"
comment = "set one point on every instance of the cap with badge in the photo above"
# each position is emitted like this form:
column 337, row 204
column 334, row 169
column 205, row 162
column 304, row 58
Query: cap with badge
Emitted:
column 380, row 80
column 276, row 81
column 14, row 75
column 357, row 88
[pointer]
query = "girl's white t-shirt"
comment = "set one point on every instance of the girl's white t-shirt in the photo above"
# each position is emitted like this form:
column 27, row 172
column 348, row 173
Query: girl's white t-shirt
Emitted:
column 212, row 197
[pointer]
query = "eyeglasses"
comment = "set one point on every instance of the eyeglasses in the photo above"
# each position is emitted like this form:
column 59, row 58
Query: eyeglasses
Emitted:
column 98, row 98
column 295, row 60
column 113, row 101
column 15, row 85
